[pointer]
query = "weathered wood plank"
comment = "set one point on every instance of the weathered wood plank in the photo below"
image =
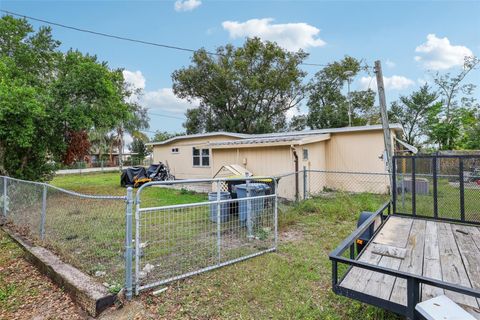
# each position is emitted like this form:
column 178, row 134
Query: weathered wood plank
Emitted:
column 380, row 284
column 453, row 270
column 395, row 232
column 357, row 278
column 389, row 251
column 431, row 261
column 413, row 261
column 469, row 251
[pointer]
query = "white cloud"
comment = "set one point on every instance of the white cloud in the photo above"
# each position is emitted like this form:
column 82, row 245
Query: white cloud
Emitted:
column 160, row 100
column 422, row 81
column 291, row 36
column 165, row 100
column 134, row 78
column 391, row 83
column 439, row 54
column 390, row 63
column 186, row 5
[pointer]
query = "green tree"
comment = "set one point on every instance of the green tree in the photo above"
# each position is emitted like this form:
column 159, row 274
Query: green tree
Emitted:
column 247, row 89
column 138, row 146
column 23, row 130
column 447, row 127
column 413, row 113
column 329, row 107
column 471, row 138
column 298, row 123
column 164, row 135
column 48, row 97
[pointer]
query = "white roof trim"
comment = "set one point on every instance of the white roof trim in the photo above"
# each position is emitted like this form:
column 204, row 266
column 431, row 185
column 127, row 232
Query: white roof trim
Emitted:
column 200, row 135
column 409, row 147
column 393, row 126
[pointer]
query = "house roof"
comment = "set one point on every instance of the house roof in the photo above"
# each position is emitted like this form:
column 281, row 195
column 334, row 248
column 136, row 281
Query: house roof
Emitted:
column 269, row 141
column 278, row 135
column 199, row 135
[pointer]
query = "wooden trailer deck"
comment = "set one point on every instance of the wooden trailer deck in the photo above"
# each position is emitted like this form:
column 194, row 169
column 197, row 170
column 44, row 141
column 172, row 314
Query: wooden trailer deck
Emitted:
column 440, row 250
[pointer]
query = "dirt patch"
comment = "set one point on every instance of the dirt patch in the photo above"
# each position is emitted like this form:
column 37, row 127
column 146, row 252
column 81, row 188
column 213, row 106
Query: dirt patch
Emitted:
column 290, row 235
column 133, row 310
column 25, row 293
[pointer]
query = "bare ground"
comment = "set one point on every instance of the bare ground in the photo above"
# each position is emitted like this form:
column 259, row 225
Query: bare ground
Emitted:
column 25, row 293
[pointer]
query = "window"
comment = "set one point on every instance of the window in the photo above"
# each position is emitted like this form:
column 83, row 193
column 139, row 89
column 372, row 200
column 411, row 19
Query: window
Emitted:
column 305, row 154
column 175, row 150
column 201, row 157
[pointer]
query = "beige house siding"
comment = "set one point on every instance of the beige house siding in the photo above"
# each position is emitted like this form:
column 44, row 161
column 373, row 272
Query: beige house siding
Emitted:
column 266, row 161
column 357, row 151
column 261, row 161
column 181, row 163
column 316, row 161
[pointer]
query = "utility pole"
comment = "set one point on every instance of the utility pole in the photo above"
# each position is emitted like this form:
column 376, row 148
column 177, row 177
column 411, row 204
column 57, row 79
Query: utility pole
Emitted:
column 383, row 111
column 349, row 75
column 349, row 103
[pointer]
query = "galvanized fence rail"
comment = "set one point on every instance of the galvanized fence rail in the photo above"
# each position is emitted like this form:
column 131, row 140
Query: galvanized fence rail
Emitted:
column 173, row 242
column 86, row 231
column 140, row 241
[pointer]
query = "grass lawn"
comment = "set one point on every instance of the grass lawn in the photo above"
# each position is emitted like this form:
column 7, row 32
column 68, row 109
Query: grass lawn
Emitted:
column 294, row 282
column 448, row 200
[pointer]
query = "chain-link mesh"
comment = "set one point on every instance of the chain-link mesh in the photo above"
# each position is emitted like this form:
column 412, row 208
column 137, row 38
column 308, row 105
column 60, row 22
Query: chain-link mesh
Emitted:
column 180, row 240
column 85, row 231
column 310, row 183
column 445, row 187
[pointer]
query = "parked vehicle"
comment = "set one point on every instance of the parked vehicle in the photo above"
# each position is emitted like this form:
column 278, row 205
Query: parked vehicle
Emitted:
column 136, row 176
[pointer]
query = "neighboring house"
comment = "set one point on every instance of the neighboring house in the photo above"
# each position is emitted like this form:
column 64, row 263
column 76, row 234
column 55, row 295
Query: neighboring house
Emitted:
column 94, row 157
column 351, row 149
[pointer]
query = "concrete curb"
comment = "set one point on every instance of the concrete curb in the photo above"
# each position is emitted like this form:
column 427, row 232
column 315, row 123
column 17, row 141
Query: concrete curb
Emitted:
column 84, row 290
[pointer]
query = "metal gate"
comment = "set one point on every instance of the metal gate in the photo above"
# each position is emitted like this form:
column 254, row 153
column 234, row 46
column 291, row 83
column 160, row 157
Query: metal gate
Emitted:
column 444, row 187
column 173, row 242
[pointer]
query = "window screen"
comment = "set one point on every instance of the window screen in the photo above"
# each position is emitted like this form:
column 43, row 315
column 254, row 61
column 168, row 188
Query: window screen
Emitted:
column 201, row 157
column 305, row 154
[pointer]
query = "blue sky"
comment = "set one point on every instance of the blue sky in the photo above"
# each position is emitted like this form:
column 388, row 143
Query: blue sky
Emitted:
column 411, row 38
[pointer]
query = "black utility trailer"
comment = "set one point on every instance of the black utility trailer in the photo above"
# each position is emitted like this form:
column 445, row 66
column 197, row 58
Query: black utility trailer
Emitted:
column 422, row 246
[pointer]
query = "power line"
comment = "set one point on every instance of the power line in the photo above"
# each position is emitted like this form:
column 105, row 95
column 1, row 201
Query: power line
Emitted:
column 167, row 46
column 164, row 115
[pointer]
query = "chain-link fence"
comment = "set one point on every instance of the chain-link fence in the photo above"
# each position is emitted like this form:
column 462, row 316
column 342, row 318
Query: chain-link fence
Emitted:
column 197, row 226
column 87, row 231
column 130, row 162
column 440, row 186
column 305, row 184
column 237, row 221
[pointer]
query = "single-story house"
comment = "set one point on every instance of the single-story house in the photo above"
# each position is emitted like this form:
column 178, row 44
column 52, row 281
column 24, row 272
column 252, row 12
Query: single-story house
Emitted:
column 348, row 149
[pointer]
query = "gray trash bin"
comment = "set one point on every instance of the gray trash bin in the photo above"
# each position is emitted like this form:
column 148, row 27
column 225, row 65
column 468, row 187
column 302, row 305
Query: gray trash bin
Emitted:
column 256, row 189
column 224, row 207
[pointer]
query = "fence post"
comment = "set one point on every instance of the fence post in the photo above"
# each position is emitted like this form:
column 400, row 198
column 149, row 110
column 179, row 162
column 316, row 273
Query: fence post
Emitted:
column 5, row 199
column 249, row 211
column 304, row 183
column 414, row 188
column 393, row 176
column 462, row 190
column 128, row 244
column 275, row 213
column 219, row 230
column 435, row 187
column 44, row 212
column 137, row 242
